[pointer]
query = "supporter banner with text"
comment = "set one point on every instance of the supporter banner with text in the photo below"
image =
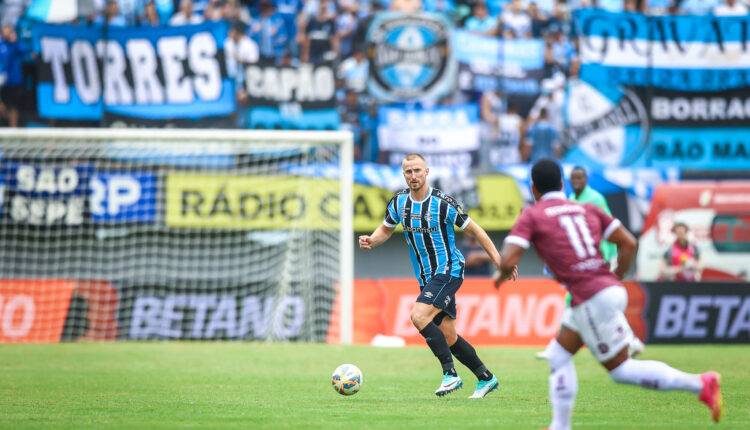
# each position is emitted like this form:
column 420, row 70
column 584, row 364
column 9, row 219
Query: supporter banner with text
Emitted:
column 291, row 97
column 660, row 91
column 492, row 64
column 445, row 135
column 160, row 73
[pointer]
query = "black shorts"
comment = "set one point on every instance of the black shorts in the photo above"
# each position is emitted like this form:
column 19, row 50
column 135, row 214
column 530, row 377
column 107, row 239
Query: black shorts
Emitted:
column 12, row 97
column 441, row 293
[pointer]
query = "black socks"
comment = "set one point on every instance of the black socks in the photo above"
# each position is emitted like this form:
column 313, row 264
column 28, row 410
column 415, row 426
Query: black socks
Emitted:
column 467, row 355
column 436, row 341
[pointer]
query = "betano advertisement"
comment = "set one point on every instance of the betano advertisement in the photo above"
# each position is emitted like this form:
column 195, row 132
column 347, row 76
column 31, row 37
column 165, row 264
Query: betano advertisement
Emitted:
column 524, row 312
column 198, row 200
column 33, row 311
column 527, row 311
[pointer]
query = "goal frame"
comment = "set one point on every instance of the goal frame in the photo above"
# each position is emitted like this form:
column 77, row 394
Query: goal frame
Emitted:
column 346, row 177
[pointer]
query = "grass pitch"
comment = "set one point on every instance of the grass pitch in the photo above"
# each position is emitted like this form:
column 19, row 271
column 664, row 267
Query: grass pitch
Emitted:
column 255, row 385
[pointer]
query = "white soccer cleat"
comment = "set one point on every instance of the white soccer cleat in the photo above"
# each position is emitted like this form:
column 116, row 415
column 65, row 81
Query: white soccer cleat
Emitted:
column 450, row 384
column 484, row 388
column 636, row 347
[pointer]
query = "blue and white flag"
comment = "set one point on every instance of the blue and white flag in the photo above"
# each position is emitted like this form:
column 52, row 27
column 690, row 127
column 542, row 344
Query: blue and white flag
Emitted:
column 489, row 63
column 684, row 53
column 134, row 72
column 660, row 91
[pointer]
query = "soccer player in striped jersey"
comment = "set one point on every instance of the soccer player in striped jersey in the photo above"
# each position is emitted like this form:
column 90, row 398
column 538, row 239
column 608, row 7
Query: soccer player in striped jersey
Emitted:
column 428, row 217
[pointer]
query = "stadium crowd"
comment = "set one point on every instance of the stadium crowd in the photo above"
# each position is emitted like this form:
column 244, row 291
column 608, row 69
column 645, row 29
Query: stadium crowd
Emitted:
column 293, row 31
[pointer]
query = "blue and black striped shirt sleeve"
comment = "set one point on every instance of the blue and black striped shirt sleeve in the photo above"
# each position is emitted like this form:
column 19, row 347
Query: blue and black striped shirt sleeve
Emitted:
column 391, row 213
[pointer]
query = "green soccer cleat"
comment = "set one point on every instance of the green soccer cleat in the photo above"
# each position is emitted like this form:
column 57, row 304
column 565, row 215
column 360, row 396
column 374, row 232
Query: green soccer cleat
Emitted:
column 484, row 387
column 450, row 384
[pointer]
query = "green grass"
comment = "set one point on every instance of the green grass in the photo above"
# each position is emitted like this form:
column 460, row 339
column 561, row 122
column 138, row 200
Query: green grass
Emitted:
column 254, row 385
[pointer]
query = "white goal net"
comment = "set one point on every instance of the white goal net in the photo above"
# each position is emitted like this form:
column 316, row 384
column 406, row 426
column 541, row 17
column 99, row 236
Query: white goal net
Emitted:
column 175, row 234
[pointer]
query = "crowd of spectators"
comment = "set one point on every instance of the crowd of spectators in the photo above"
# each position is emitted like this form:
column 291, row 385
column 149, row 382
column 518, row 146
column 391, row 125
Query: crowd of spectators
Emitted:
column 292, row 31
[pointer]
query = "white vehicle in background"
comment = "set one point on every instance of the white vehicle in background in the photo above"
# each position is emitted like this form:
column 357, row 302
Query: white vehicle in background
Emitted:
column 718, row 216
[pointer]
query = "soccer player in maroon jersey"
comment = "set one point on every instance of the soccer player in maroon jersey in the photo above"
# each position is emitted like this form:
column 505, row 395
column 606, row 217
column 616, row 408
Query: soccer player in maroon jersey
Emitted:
column 566, row 236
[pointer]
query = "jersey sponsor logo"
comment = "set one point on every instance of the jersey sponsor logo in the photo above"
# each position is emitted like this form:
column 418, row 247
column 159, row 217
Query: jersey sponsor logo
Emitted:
column 421, row 229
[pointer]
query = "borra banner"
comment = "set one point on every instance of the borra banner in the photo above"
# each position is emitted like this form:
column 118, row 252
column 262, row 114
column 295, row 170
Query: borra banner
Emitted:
column 135, row 72
column 660, row 91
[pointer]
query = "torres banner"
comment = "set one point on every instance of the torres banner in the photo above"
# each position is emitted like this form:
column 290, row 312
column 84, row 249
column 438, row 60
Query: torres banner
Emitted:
column 135, row 72
column 287, row 97
column 490, row 64
column 446, row 136
column 660, row 90
column 410, row 56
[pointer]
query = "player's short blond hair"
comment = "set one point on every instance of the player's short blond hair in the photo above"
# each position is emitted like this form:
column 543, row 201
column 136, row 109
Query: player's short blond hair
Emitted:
column 413, row 155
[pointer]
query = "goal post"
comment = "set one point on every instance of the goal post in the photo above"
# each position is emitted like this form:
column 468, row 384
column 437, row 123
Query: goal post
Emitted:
column 175, row 234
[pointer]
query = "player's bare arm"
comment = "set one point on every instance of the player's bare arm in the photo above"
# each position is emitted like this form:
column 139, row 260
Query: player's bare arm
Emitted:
column 626, row 248
column 509, row 260
column 485, row 242
column 377, row 238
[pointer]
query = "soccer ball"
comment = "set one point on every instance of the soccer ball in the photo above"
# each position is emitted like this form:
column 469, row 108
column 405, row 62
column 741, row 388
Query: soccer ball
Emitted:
column 347, row 379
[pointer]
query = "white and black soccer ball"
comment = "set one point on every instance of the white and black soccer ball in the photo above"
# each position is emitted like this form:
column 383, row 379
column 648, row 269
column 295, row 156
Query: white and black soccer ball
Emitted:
column 347, row 379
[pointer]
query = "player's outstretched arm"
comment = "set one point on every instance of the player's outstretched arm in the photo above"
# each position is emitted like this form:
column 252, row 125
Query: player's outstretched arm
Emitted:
column 377, row 238
column 626, row 249
column 509, row 260
column 484, row 240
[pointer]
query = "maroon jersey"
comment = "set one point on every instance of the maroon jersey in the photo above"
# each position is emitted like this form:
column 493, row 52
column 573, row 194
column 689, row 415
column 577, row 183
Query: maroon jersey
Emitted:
column 566, row 236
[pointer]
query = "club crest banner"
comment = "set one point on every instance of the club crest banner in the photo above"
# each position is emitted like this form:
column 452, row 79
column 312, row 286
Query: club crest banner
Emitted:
column 410, row 56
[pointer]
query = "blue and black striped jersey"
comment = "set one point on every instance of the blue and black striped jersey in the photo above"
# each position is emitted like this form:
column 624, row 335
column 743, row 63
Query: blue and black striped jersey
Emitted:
column 428, row 230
